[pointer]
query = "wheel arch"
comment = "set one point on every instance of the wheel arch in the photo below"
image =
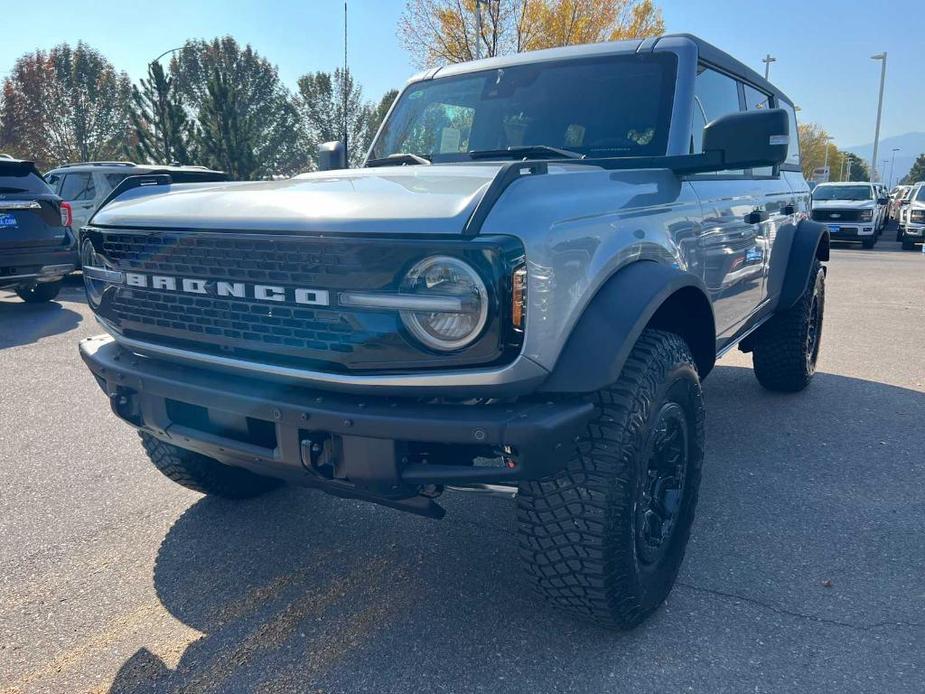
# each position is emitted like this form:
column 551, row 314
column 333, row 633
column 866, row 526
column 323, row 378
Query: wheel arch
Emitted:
column 810, row 243
column 644, row 294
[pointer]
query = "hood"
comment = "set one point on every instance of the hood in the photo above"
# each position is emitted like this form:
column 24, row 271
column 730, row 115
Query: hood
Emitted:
column 843, row 204
column 396, row 200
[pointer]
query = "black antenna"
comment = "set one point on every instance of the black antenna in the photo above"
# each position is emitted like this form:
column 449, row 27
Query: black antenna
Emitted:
column 345, row 83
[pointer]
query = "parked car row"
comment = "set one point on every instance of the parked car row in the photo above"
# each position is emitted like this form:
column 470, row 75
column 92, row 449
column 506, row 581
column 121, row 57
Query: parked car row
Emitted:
column 911, row 216
column 853, row 211
column 39, row 216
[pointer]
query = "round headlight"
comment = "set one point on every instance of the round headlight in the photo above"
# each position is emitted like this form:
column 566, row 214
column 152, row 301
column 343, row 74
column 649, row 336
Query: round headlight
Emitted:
column 90, row 258
column 467, row 303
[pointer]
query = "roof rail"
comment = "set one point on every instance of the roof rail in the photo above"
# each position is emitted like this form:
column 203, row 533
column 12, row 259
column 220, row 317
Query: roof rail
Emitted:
column 97, row 163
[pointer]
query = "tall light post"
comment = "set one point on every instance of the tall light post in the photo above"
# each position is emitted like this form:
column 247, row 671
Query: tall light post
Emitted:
column 767, row 60
column 825, row 165
column 873, row 160
column 892, row 164
column 478, row 27
column 172, row 50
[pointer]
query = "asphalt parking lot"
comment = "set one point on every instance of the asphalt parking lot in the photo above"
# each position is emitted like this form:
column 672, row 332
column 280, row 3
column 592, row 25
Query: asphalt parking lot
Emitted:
column 805, row 572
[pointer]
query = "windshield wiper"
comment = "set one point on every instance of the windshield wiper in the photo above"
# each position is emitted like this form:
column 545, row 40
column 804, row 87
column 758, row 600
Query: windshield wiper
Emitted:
column 526, row 151
column 399, row 159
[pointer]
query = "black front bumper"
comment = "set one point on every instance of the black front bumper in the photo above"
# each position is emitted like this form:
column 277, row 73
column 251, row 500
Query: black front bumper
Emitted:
column 369, row 446
column 19, row 265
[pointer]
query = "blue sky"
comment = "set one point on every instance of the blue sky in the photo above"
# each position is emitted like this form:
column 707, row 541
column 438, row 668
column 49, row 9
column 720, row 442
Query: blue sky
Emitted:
column 822, row 46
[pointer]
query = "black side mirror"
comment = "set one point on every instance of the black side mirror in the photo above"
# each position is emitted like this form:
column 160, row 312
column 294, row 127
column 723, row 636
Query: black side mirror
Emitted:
column 883, row 201
column 749, row 139
column 331, row 156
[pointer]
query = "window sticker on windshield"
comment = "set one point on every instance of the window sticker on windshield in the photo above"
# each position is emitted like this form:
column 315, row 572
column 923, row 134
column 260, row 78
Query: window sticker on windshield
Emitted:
column 574, row 135
column 449, row 140
column 7, row 221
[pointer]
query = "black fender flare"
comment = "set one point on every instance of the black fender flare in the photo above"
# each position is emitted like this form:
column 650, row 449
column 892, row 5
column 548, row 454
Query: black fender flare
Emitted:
column 810, row 242
column 638, row 295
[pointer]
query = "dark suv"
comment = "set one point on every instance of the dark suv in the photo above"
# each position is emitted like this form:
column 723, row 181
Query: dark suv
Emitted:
column 37, row 246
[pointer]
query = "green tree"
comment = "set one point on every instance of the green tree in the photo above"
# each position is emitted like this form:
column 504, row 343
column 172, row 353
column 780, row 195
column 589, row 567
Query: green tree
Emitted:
column 162, row 129
column 323, row 99
column 264, row 136
column 64, row 105
column 917, row 172
column 379, row 113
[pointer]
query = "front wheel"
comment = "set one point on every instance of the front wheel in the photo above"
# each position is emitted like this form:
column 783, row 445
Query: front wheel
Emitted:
column 869, row 243
column 908, row 245
column 787, row 346
column 39, row 292
column 604, row 538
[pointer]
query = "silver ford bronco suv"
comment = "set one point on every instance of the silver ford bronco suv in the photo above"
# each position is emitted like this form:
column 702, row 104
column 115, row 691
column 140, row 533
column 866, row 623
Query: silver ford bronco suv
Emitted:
column 519, row 292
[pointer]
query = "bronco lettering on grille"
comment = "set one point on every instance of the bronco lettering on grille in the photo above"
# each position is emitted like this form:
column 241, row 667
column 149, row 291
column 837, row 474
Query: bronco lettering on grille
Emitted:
column 239, row 290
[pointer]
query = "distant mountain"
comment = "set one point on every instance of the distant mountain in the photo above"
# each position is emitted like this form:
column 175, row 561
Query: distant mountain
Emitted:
column 911, row 145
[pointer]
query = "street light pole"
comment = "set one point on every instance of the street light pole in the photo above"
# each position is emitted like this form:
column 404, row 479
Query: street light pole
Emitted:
column 892, row 164
column 767, row 60
column 873, row 160
column 825, row 164
column 478, row 29
column 172, row 50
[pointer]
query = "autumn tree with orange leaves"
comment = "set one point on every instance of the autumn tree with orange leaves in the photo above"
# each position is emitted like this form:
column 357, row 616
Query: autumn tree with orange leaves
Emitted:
column 437, row 32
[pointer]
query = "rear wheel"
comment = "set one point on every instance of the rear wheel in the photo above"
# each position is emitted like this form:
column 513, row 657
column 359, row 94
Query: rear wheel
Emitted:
column 39, row 292
column 203, row 474
column 604, row 538
column 787, row 346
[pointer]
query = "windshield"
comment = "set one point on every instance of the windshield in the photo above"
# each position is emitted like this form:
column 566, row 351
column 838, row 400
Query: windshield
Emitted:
column 842, row 193
column 920, row 197
column 600, row 107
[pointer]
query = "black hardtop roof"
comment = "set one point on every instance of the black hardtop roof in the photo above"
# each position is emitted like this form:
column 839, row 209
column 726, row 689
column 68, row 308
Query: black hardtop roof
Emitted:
column 708, row 53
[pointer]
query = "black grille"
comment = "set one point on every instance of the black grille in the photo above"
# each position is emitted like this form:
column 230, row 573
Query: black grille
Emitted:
column 835, row 215
column 288, row 327
column 330, row 337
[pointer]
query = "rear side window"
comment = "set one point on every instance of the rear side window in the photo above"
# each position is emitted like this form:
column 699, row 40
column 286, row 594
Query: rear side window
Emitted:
column 78, row 186
column 12, row 181
column 114, row 179
column 715, row 95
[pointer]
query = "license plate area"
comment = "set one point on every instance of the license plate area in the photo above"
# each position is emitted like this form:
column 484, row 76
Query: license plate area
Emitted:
column 833, row 228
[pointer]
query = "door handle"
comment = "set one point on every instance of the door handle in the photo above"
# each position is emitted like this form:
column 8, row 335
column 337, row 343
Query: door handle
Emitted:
column 756, row 217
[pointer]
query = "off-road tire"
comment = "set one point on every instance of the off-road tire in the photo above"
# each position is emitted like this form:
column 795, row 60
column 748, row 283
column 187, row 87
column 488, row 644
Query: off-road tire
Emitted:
column 38, row 293
column 787, row 346
column 203, row 474
column 579, row 529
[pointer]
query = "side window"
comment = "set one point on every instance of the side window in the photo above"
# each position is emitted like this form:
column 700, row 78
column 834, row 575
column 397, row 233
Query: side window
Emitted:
column 755, row 101
column 78, row 186
column 715, row 95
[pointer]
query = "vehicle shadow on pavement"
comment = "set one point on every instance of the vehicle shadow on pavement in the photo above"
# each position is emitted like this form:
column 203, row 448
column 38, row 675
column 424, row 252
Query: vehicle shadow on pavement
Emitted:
column 808, row 537
column 22, row 323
